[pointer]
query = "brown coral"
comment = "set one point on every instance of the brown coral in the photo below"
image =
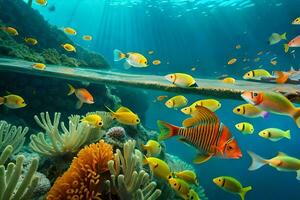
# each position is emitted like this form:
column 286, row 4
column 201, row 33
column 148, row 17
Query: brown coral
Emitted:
column 82, row 180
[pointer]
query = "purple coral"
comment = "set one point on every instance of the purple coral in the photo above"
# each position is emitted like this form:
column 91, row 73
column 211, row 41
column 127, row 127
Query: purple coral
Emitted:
column 117, row 133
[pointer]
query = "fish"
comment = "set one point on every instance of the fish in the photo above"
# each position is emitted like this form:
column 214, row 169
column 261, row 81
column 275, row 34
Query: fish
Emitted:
column 39, row 66
column 274, row 134
column 238, row 46
column 69, row 47
column 10, row 30
column 296, row 21
column 181, row 187
column 293, row 43
column 152, row 147
column 193, row 69
column 93, row 120
column 232, row 61
column 87, row 37
column 181, row 80
column 13, row 101
column 42, row 2
column 273, row 102
column 260, row 53
column 256, row 74
column 273, row 62
column 256, row 59
column 125, row 116
column 281, row 77
column 229, row 80
column 176, row 102
column 230, row 184
column 82, row 94
column 192, row 195
column 245, row 127
column 211, row 104
column 150, row 52
column 204, row 132
column 132, row 59
column 188, row 175
column 275, row 38
column 161, row 97
column 156, row 62
column 281, row 162
column 31, row 41
column 70, row 31
column 158, row 167
column 250, row 111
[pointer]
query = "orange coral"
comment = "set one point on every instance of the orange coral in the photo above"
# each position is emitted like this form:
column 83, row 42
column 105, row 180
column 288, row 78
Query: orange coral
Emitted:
column 82, row 179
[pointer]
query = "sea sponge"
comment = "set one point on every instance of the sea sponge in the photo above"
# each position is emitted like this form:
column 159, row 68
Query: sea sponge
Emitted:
column 83, row 179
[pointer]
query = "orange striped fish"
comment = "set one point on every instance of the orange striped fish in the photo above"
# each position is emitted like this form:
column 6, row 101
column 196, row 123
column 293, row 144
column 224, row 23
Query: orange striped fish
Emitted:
column 204, row 132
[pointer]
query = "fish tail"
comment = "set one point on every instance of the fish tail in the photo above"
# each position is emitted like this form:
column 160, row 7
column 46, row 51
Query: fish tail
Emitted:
column 244, row 191
column 119, row 55
column 166, row 130
column 194, row 85
column 79, row 104
column 298, row 175
column 257, row 161
column 286, row 48
column 296, row 116
column 71, row 89
column 288, row 134
column 281, row 77
column 145, row 147
column 283, row 36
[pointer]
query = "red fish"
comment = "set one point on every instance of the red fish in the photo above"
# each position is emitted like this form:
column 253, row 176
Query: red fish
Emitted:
column 82, row 94
column 206, row 133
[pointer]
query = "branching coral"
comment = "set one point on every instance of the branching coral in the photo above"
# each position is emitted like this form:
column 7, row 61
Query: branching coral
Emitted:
column 12, row 135
column 10, row 176
column 83, row 179
column 60, row 143
column 128, row 179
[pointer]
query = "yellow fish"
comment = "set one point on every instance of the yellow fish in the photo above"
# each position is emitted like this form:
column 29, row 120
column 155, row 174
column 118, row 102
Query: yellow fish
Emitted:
column 152, row 147
column 257, row 73
column 273, row 62
column 93, row 120
column 181, row 187
column 10, row 30
column 245, row 127
column 193, row 69
column 230, row 184
column 87, row 37
column 188, row 176
column 69, row 47
column 31, row 41
column 249, row 110
column 39, row 66
column 161, row 97
column 211, row 104
column 13, row 101
column 192, row 195
column 150, row 52
column 296, row 21
column 70, row 31
column 132, row 59
column 274, row 134
column 176, row 102
column 229, row 80
column 158, row 167
column 41, row 2
column 232, row 61
column 181, row 80
column 156, row 62
column 125, row 116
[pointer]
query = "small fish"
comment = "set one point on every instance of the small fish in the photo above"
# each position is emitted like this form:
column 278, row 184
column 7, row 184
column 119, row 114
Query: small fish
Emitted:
column 12, row 101
column 250, row 111
column 152, row 147
column 192, row 195
column 256, row 59
column 70, row 31
column 176, row 102
column 10, row 30
column 273, row 102
column 39, row 66
column 296, row 21
column 238, row 46
column 281, row 77
column 181, row 187
column 256, row 74
column 193, row 69
column 125, row 116
column 150, row 52
column 31, row 41
column 230, row 184
column 232, row 61
column 42, row 2
column 204, row 132
column 260, row 53
column 245, row 127
column 181, row 80
column 274, row 134
column 82, row 94
column 87, row 37
column 161, row 97
column 156, row 62
column 132, row 59
column 93, row 120
column 211, row 104
column 229, row 80
column 188, row 176
column 273, row 62
column 293, row 43
column 158, row 167
column 275, row 38
column 281, row 162
column 69, row 47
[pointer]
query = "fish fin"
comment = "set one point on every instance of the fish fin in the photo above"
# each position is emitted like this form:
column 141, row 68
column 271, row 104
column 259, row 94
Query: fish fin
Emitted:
column 286, row 48
column 296, row 116
column 264, row 114
column 281, row 77
column 244, row 191
column 275, row 139
column 119, row 55
column 287, row 134
column 71, row 89
column 283, row 36
column 166, row 130
column 123, row 109
column 257, row 161
column 201, row 158
column 201, row 115
column 298, row 175
column 126, row 65
column 194, row 85
column 281, row 154
column 185, row 141
column 145, row 147
column 2, row 100
column 110, row 110
column 79, row 104
column 190, row 122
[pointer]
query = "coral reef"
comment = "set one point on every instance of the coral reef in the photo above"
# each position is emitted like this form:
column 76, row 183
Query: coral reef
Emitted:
column 128, row 178
column 83, row 180
column 116, row 136
column 12, row 135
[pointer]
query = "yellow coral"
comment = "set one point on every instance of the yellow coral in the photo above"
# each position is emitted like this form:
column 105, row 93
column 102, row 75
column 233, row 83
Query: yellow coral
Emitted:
column 82, row 180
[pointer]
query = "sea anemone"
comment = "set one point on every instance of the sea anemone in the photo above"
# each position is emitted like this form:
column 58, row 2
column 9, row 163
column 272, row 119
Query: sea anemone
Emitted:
column 117, row 133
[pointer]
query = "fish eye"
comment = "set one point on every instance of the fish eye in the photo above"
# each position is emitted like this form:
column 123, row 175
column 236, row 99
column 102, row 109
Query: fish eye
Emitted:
column 137, row 120
column 192, row 197
column 175, row 184
column 230, row 148
column 219, row 180
column 248, row 74
column 255, row 94
column 100, row 123
column 238, row 109
column 169, row 176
